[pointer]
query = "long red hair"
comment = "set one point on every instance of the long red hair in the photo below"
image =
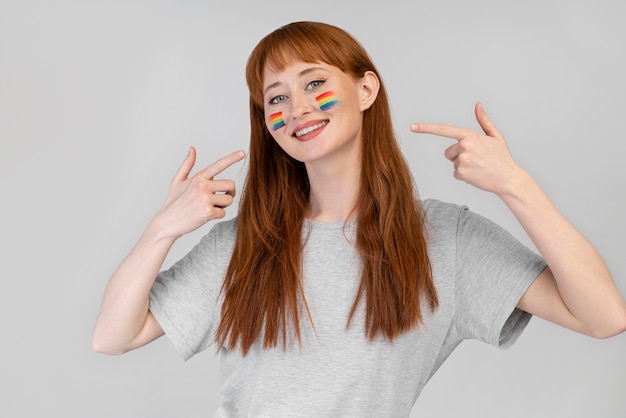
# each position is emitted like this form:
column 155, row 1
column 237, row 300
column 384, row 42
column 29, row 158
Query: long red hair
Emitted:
column 263, row 288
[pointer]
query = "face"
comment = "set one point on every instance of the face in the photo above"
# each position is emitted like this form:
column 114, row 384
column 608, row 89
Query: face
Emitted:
column 314, row 111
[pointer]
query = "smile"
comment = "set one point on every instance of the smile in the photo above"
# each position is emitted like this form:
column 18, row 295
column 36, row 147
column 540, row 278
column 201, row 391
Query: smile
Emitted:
column 310, row 129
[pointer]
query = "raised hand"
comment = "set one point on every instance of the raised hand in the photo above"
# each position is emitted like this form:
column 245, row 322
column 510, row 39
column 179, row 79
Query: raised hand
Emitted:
column 482, row 160
column 576, row 290
column 193, row 201
column 125, row 321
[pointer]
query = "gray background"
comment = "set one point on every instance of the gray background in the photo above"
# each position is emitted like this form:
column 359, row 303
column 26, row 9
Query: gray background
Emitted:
column 99, row 101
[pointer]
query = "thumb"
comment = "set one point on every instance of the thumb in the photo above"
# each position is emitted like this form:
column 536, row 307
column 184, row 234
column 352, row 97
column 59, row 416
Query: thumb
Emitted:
column 485, row 122
column 186, row 166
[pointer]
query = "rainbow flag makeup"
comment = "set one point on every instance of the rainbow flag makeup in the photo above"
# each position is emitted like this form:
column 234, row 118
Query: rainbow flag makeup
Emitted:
column 276, row 120
column 327, row 100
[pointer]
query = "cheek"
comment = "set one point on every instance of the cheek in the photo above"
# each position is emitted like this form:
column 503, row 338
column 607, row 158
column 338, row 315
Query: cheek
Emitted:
column 275, row 121
column 327, row 100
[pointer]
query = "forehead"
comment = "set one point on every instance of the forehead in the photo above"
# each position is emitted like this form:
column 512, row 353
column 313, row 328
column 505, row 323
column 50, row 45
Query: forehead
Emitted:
column 291, row 68
column 296, row 69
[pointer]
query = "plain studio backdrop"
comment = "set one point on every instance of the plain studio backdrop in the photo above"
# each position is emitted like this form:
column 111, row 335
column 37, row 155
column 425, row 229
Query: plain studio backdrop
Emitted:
column 100, row 100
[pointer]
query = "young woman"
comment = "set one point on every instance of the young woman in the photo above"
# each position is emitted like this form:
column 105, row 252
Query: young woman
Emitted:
column 336, row 291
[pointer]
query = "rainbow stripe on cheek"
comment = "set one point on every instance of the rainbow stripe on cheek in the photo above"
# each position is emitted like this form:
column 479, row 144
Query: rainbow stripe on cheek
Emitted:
column 327, row 100
column 277, row 121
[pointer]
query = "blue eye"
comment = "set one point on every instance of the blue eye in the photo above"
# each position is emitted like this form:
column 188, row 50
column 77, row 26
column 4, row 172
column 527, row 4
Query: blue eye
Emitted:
column 314, row 84
column 278, row 99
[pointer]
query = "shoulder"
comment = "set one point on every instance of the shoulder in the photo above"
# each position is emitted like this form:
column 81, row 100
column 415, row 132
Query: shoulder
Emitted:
column 441, row 223
column 219, row 241
column 440, row 214
column 443, row 218
column 224, row 233
column 449, row 225
column 225, row 229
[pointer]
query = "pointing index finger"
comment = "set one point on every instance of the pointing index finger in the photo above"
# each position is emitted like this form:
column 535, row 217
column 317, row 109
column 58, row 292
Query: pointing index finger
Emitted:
column 441, row 130
column 221, row 165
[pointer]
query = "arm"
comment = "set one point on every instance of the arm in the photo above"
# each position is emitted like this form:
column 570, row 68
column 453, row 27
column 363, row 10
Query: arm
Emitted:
column 576, row 290
column 125, row 322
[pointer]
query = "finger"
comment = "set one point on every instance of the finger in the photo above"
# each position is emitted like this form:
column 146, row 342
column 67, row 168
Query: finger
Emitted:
column 222, row 200
column 485, row 122
column 221, row 165
column 441, row 130
column 186, row 166
column 223, row 186
column 452, row 152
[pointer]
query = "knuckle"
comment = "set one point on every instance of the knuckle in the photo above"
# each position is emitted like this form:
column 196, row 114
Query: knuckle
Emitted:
column 195, row 183
column 459, row 175
column 217, row 213
column 204, row 187
column 466, row 144
column 210, row 213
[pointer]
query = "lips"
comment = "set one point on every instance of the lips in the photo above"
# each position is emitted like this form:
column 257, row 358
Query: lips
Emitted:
column 305, row 130
column 308, row 129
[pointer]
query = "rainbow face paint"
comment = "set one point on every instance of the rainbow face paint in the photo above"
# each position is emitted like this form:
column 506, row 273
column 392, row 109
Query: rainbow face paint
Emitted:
column 276, row 120
column 327, row 100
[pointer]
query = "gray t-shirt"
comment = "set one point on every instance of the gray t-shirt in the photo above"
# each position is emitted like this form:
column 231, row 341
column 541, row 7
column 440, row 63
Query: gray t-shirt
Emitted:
column 480, row 272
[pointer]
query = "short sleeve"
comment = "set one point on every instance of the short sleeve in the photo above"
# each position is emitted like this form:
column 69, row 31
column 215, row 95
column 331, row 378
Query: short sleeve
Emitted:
column 493, row 271
column 185, row 298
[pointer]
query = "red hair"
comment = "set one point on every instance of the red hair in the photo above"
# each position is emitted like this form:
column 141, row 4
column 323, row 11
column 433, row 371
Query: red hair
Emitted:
column 263, row 286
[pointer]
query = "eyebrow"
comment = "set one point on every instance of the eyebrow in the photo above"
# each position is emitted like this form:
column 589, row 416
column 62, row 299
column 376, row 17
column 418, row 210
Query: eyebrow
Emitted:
column 300, row 74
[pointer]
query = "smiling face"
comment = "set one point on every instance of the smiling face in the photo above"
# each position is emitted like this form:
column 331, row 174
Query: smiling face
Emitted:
column 314, row 111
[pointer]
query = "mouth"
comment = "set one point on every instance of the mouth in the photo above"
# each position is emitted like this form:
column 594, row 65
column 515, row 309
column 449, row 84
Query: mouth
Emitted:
column 310, row 129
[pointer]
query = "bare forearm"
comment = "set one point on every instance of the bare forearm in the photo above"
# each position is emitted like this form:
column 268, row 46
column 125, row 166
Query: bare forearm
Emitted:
column 577, row 291
column 124, row 321
column 126, row 299
column 583, row 280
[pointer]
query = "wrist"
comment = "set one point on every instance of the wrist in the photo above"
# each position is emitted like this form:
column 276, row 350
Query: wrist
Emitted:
column 160, row 231
column 520, row 187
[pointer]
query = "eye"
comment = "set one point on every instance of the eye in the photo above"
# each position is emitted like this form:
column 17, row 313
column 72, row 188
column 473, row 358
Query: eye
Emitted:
column 278, row 99
column 315, row 84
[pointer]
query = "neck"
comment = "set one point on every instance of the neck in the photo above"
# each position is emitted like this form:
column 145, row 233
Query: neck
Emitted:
column 334, row 191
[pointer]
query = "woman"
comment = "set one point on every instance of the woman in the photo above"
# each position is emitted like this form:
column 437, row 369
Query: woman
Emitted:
column 336, row 291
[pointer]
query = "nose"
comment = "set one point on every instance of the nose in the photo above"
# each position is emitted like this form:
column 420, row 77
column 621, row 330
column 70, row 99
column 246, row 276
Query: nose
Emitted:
column 300, row 105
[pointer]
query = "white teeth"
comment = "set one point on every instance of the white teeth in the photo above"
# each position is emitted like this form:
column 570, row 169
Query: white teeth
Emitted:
column 310, row 129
